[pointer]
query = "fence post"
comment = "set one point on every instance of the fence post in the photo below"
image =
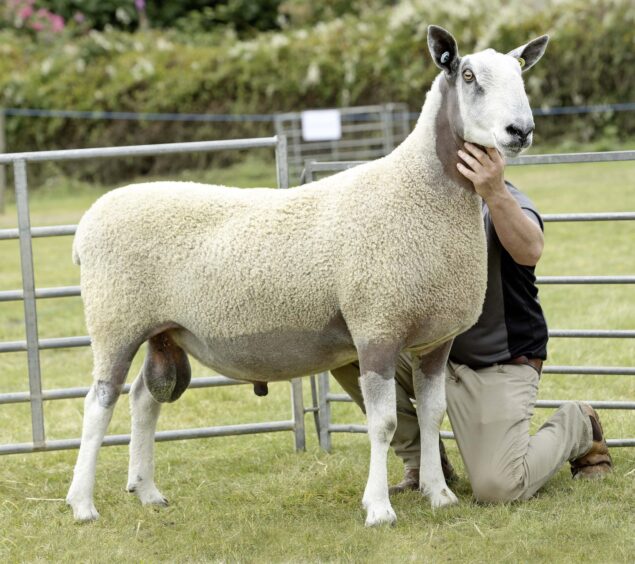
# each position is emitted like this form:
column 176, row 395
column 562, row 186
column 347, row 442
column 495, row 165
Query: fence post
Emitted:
column 30, row 311
column 324, row 411
column 387, row 128
column 282, row 163
column 3, row 171
column 297, row 402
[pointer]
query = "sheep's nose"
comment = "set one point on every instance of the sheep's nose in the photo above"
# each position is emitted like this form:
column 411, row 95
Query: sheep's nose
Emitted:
column 521, row 132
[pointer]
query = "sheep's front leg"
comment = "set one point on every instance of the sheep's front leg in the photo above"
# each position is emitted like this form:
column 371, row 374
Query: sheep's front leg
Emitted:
column 144, row 411
column 378, row 388
column 429, row 387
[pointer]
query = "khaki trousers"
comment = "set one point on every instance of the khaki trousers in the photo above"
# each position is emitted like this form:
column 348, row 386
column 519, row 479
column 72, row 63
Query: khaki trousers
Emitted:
column 490, row 410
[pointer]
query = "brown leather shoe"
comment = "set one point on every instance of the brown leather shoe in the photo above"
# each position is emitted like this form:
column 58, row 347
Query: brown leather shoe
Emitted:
column 597, row 462
column 448, row 470
column 411, row 475
column 410, row 482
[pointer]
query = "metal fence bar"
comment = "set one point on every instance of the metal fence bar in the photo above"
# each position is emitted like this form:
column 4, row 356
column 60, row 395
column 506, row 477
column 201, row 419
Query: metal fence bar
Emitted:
column 611, row 216
column 72, row 393
column 140, row 150
column 30, row 311
column 585, row 279
column 41, row 293
column 599, row 404
column 570, row 158
column 160, row 436
column 52, row 231
column 590, row 370
column 350, row 428
column 593, row 333
column 55, row 343
column 557, row 158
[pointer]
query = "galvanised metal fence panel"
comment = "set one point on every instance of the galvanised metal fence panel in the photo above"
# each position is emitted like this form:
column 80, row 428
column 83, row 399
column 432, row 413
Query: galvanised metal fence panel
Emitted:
column 29, row 294
column 322, row 397
column 368, row 132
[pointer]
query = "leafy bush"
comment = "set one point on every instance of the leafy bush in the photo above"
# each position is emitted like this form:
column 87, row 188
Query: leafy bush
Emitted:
column 33, row 19
column 348, row 61
column 244, row 16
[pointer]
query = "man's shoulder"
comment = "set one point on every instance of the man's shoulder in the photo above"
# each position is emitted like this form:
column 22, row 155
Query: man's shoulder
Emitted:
column 524, row 201
column 521, row 197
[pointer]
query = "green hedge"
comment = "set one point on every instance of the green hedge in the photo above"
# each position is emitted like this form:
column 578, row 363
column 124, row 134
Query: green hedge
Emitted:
column 347, row 61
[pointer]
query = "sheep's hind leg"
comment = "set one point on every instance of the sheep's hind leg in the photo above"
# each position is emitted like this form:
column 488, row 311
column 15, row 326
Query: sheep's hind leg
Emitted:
column 144, row 413
column 109, row 372
column 164, row 377
column 429, row 386
column 377, row 369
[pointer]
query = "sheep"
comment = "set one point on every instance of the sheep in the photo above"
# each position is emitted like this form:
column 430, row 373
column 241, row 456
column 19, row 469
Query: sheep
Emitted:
column 265, row 285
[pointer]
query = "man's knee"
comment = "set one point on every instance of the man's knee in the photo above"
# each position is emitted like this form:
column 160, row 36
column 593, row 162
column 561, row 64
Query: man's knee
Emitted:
column 492, row 488
column 347, row 377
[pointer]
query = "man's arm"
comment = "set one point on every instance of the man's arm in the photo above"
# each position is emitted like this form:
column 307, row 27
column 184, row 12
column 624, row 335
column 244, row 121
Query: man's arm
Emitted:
column 520, row 236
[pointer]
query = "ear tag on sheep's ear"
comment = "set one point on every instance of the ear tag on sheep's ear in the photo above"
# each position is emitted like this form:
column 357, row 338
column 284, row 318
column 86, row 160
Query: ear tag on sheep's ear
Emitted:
column 521, row 62
column 445, row 58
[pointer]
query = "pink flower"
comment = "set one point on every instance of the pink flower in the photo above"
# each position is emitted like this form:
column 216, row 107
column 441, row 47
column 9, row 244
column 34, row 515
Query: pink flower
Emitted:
column 25, row 12
column 79, row 17
column 57, row 23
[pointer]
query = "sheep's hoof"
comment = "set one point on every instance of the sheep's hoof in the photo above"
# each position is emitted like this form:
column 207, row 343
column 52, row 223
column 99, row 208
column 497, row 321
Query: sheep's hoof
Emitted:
column 380, row 513
column 442, row 497
column 83, row 511
column 149, row 495
column 159, row 501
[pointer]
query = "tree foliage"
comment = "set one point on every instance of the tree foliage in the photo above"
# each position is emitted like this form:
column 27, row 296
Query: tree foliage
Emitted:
column 350, row 60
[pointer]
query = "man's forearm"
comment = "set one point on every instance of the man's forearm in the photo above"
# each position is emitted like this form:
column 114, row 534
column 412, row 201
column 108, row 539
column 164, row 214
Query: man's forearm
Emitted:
column 519, row 235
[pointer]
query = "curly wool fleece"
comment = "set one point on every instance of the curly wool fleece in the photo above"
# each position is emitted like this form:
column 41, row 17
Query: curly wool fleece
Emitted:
column 265, row 284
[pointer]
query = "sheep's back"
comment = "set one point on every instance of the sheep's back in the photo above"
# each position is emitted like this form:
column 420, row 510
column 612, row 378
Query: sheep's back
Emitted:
column 213, row 259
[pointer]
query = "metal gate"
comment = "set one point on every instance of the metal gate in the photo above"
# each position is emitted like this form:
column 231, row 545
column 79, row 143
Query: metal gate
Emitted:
column 29, row 295
column 368, row 132
column 322, row 397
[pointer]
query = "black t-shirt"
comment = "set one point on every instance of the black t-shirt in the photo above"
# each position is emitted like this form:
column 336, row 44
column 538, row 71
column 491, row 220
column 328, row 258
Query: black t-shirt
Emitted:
column 512, row 322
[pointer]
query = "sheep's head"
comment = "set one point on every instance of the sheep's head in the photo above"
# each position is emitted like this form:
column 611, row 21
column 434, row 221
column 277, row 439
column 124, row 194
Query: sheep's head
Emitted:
column 493, row 109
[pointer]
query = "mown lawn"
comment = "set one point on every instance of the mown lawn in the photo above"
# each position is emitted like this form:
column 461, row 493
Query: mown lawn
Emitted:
column 251, row 498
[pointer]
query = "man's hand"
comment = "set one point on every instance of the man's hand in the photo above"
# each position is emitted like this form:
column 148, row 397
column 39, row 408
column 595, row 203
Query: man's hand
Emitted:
column 485, row 169
column 520, row 236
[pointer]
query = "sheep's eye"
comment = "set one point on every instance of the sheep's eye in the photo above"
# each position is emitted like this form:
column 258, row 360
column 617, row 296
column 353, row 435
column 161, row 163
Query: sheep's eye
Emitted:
column 468, row 75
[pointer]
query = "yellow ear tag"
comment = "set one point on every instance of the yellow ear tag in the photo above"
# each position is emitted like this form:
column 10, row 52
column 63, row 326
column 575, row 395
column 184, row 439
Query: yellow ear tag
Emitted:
column 521, row 62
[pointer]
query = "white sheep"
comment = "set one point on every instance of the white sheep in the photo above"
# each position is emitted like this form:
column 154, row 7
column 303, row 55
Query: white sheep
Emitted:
column 266, row 285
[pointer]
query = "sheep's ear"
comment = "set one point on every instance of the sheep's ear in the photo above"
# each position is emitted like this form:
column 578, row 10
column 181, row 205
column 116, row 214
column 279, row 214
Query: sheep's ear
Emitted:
column 528, row 55
column 443, row 49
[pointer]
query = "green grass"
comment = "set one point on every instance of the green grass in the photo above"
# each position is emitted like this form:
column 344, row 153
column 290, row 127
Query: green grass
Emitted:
column 250, row 498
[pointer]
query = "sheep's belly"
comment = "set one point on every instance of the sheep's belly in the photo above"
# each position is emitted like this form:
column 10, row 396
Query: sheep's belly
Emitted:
column 270, row 356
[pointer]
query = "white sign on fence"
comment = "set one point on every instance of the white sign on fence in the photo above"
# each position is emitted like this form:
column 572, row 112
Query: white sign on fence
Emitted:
column 321, row 125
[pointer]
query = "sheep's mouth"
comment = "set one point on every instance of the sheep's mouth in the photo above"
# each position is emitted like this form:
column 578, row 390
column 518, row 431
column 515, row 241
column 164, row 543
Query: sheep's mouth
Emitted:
column 513, row 149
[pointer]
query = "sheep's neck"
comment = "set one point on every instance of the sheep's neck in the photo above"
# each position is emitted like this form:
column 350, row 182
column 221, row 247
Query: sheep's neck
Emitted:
column 434, row 143
column 448, row 141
